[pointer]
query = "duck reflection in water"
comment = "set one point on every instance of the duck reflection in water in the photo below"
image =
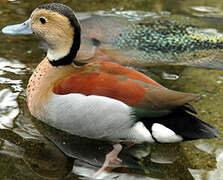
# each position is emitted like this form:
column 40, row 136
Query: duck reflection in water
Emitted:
column 62, row 155
column 39, row 155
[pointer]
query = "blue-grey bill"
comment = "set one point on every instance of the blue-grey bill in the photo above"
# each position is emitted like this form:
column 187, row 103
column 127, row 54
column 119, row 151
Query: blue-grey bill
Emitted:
column 17, row 29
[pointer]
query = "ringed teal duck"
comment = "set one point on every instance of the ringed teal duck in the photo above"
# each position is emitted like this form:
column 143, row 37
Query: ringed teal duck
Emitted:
column 146, row 43
column 102, row 100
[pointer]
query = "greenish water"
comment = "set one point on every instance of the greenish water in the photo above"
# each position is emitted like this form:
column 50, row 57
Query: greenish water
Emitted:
column 30, row 149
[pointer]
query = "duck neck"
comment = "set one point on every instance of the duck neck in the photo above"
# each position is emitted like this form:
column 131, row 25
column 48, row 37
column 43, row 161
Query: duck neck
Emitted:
column 65, row 51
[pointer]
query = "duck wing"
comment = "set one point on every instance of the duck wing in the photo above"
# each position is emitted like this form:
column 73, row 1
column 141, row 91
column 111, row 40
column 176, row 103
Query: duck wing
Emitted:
column 125, row 85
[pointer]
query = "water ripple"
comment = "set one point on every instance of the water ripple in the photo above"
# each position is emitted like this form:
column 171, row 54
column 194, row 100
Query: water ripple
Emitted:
column 12, row 66
column 8, row 108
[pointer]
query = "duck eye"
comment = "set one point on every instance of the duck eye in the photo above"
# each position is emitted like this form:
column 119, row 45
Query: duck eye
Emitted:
column 42, row 20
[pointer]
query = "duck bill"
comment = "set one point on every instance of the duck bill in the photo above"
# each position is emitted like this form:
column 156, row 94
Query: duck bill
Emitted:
column 17, row 29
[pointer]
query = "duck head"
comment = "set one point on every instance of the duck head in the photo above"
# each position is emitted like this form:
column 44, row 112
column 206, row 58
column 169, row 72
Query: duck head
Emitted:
column 58, row 26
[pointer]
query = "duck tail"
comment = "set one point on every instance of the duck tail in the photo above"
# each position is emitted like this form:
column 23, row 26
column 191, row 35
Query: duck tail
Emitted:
column 180, row 125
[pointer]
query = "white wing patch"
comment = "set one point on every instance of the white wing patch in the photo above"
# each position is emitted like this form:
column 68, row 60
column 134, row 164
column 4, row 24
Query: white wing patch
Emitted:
column 140, row 132
column 164, row 134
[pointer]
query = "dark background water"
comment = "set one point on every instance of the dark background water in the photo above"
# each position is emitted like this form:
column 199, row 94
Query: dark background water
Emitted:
column 25, row 153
